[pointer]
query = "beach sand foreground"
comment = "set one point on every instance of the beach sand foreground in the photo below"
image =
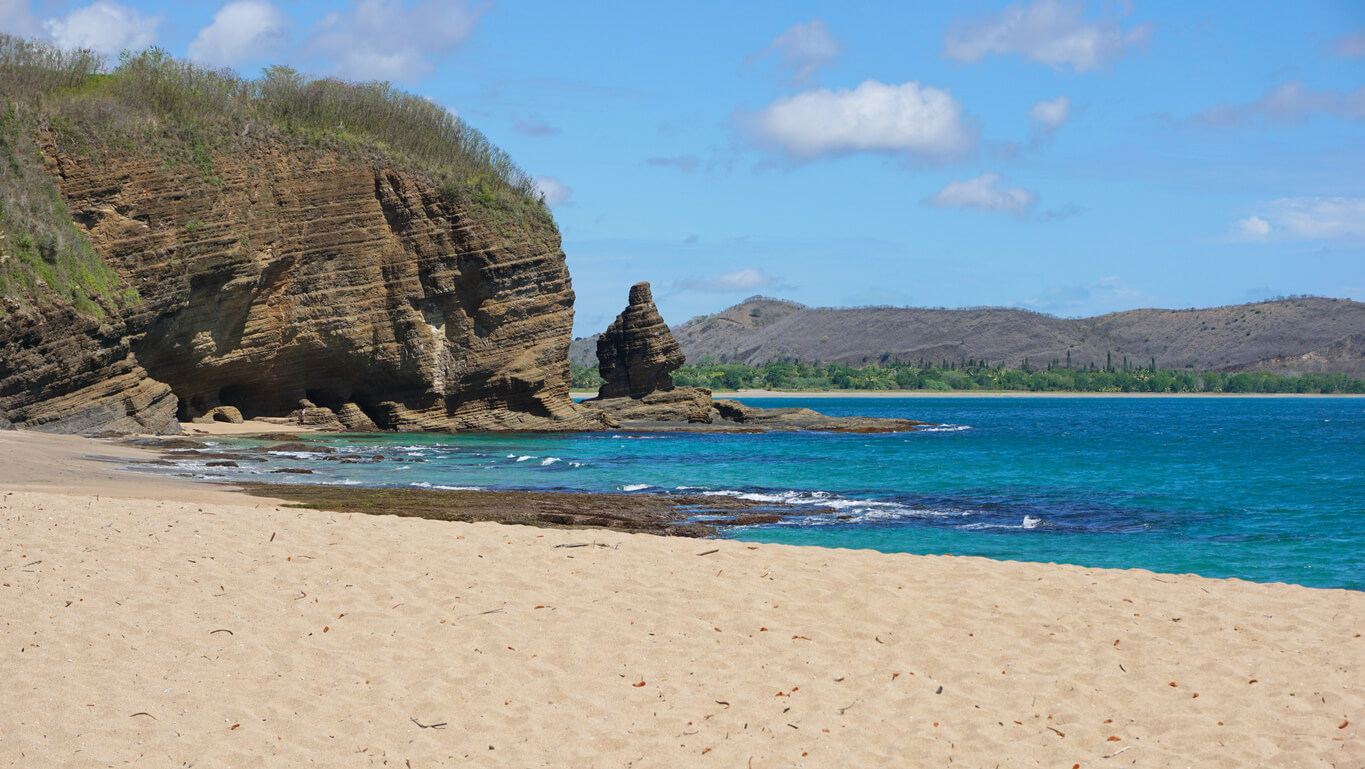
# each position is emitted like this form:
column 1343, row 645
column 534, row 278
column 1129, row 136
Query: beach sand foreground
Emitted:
column 184, row 626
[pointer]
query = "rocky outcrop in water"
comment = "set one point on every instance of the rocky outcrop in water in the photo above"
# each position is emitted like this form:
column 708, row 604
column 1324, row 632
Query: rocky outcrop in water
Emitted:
column 635, row 357
column 289, row 274
column 637, row 353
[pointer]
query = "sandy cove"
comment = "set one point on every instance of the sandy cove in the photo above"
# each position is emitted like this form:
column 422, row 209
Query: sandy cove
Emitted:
column 177, row 624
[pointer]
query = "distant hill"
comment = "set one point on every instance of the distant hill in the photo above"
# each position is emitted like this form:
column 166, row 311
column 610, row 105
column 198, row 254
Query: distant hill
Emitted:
column 1297, row 335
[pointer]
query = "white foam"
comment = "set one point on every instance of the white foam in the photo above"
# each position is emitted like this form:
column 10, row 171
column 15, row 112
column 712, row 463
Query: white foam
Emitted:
column 546, row 462
column 523, row 457
column 297, row 454
column 1032, row 523
column 943, row 429
column 849, row 510
column 822, row 498
column 429, row 485
column 635, row 487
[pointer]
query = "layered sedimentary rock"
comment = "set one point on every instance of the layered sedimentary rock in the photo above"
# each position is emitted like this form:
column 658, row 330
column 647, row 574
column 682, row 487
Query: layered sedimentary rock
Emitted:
column 637, row 353
column 228, row 414
column 291, row 274
column 61, row 371
column 680, row 404
column 635, row 357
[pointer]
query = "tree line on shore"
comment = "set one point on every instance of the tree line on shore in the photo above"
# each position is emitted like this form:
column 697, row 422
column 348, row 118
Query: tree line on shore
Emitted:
column 967, row 375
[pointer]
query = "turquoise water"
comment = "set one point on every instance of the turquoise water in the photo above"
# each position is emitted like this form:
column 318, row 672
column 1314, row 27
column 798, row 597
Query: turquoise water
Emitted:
column 1261, row 489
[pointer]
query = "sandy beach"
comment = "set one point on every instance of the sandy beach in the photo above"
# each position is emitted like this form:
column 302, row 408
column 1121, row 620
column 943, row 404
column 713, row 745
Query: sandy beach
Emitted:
column 157, row 622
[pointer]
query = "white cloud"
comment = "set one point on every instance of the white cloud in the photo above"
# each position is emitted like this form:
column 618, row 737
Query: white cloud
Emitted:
column 1351, row 45
column 802, row 48
column 240, row 30
column 874, row 117
column 387, row 40
column 982, row 193
column 1289, row 102
column 1320, row 218
column 555, row 191
column 103, row 26
column 15, row 18
column 748, row 279
column 1253, row 227
column 1047, row 31
column 1304, row 219
column 1050, row 115
column 1292, row 101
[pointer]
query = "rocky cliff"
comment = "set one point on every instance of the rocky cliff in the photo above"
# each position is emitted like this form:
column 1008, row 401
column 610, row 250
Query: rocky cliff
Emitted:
column 283, row 273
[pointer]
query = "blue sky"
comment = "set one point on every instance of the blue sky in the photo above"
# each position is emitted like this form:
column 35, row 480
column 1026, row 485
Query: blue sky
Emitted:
column 1074, row 158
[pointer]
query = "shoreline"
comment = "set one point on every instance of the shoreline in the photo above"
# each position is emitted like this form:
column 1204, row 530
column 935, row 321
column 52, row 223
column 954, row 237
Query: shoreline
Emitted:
column 576, row 394
column 165, row 617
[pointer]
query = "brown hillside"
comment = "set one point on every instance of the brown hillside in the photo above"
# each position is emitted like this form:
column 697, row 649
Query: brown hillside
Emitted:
column 1301, row 335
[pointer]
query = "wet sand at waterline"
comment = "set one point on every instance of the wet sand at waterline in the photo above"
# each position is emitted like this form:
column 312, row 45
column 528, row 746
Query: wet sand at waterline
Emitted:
column 146, row 619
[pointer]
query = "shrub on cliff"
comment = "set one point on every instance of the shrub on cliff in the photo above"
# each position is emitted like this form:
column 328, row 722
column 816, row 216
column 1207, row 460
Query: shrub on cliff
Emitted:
column 43, row 257
column 191, row 115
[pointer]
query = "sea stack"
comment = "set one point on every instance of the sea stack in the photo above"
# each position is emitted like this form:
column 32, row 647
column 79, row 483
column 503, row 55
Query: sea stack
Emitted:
column 637, row 353
column 636, row 357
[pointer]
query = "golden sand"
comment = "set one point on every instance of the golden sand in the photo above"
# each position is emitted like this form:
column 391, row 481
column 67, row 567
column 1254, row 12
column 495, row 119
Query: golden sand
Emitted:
column 175, row 624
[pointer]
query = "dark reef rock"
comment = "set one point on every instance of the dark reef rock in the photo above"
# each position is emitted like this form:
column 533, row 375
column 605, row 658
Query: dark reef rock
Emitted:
column 666, row 514
column 637, row 353
column 806, row 419
column 679, row 404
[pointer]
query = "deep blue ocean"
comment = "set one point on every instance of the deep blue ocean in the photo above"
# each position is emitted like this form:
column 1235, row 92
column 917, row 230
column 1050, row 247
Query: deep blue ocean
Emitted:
column 1269, row 489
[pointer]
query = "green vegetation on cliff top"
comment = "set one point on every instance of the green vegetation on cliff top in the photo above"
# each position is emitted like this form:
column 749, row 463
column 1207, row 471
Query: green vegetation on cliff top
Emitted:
column 189, row 115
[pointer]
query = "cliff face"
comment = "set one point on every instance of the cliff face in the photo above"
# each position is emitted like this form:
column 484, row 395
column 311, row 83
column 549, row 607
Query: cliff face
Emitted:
column 285, row 274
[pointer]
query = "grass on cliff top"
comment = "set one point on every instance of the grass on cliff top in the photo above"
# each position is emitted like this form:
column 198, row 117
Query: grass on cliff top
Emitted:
column 44, row 258
column 187, row 113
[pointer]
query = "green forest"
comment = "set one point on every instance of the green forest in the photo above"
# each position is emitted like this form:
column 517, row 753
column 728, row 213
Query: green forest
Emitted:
column 970, row 375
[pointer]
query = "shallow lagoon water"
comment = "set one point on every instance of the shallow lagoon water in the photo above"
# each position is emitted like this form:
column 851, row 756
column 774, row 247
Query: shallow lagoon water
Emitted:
column 1261, row 489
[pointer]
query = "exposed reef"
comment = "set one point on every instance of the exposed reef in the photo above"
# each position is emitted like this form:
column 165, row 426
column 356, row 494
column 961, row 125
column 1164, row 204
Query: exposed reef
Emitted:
column 670, row 515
